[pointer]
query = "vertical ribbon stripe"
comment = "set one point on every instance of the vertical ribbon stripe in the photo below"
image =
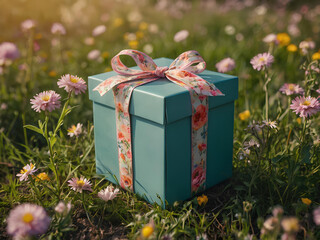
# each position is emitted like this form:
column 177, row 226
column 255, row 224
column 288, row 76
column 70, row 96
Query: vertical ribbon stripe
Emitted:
column 182, row 72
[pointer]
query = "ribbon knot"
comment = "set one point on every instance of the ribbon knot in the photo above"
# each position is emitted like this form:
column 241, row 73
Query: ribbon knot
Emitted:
column 160, row 71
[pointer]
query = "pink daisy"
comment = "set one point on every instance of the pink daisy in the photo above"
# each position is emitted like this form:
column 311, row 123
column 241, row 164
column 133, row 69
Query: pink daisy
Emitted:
column 108, row 193
column 290, row 88
column 9, row 51
column 72, row 83
column 27, row 25
column 181, row 35
column 46, row 100
column 305, row 106
column 318, row 91
column 75, row 130
column 94, row 54
column 316, row 216
column 58, row 28
column 27, row 220
column 270, row 38
column 98, row 30
column 78, row 185
column 27, row 170
column 262, row 61
column 226, row 65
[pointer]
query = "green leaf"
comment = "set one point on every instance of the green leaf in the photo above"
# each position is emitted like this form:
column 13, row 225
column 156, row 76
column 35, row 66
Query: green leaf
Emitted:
column 34, row 128
column 305, row 153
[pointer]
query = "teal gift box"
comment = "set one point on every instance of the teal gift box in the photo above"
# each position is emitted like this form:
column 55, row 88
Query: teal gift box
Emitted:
column 161, row 135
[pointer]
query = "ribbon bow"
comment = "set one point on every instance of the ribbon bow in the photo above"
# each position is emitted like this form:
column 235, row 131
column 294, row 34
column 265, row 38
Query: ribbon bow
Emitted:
column 183, row 72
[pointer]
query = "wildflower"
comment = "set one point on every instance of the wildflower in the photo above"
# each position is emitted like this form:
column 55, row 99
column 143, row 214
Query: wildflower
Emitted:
column 52, row 73
column 318, row 91
column 42, row 176
column 181, row 35
column 230, row 30
column 148, row 48
column 143, row 26
column 270, row 38
column 148, row 229
column 250, row 144
column 316, row 56
column 283, row 39
column 244, row 115
column 262, row 61
column 203, row 236
column 62, row 208
column 8, row 51
column 306, row 201
column 291, row 88
column 108, row 193
column 316, row 216
column 202, row 200
column 89, row 41
column 78, row 185
column 105, row 54
column 153, row 28
column 98, row 30
column 133, row 44
column 27, row 220
column 292, row 48
column 247, row 206
column 27, row 25
column 118, row 22
column 27, row 170
column 139, row 34
column 306, row 45
column 46, row 100
column 271, row 223
column 58, row 28
column 226, row 65
column 290, row 224
column 94, row 54
column 3, row 106
column 270, row 124
column 277, row 211
column 305, row 106
column 72, row 83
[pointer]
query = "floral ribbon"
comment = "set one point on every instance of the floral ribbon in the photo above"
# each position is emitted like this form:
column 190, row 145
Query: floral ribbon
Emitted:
column 183, row 72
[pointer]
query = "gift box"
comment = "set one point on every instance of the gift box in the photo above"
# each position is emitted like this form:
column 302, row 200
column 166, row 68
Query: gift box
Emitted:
column 160, row 113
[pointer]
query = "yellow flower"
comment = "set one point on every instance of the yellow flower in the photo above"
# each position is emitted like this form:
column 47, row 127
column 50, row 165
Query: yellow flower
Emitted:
column 247, row 206
column 143, row 26
column 147, row 230
column 139, row 34
column 292, row 48
column 290, row 224
column 117, row 22
column 105, row 54
column 133, row 44
column 298, row 121
column 283, row 39
column 52, row 73
column 244, row 115
column 202, row 200
column 306, row 201
column 316, row 56
column 42, row 176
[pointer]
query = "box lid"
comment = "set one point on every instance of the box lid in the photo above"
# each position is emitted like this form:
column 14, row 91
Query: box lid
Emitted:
column 162, row 101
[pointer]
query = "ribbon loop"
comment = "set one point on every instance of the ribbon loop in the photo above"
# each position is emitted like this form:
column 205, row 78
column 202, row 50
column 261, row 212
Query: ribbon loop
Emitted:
column 190, row 61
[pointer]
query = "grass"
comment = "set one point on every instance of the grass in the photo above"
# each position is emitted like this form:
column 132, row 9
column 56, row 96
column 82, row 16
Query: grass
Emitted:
column 281, row 168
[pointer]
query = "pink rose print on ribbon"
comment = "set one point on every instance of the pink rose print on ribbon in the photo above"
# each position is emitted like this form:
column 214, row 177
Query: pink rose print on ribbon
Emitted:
column 202, row 147
column 200, row 117
column 198, row 178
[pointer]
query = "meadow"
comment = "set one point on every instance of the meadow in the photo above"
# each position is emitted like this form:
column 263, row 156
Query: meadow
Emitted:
column 49, row 188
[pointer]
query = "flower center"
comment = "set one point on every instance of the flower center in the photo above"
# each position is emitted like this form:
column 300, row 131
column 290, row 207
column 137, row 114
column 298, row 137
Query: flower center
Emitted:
column 262, row 59
column 291, row 87
column 74, row 80
column 72, row 129
column 46, row 98
column 27, row 218
column 306, row 103
column 80, row 183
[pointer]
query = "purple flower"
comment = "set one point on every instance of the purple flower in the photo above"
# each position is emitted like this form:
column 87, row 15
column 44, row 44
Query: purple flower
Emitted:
column 181, row 35
column 262, row 61
column 27, row 25
column 108, row 193
column 94, row 54
column 316, row 216
column 290, row 88
column 27, row 170
column 305, row 106
column 72, row 83
column 46, row 100
column 78, row 185
column 9, row 51
column 27, row 220
column 58, row 28
column 226, row 65
column 98, row 30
